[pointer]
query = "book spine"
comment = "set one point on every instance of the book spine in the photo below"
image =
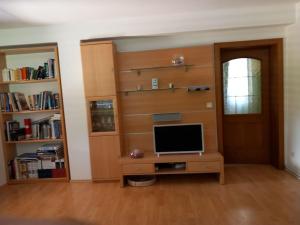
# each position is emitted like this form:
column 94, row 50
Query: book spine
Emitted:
column 23, row 73
column 17, row 171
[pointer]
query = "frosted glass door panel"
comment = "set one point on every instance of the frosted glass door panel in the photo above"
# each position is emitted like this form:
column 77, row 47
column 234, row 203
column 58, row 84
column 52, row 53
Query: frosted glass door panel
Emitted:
column 242, row 86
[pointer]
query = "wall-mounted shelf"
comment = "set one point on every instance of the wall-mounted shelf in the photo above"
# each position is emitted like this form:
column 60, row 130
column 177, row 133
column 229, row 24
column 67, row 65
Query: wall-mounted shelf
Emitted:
column 139, row 70
column 126, row 92
column 188, row 89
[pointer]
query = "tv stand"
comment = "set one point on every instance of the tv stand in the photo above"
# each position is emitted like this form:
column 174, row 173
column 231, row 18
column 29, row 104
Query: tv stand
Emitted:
column 157, row 154
column 156, row 164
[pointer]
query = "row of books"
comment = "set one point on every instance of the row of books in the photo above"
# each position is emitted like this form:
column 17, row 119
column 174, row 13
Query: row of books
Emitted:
column 29, row 73
column 46, row 128
column 46, row 162
column 16, row 101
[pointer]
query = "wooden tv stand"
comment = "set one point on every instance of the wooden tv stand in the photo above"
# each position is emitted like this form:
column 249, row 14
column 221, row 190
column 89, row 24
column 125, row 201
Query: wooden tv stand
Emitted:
column 194, row 163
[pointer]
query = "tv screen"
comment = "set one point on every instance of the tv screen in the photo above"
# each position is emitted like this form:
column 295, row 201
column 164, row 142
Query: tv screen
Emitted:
column 179, row 138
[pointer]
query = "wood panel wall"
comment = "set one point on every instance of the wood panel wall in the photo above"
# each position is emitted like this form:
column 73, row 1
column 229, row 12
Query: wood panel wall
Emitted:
column 138, row 107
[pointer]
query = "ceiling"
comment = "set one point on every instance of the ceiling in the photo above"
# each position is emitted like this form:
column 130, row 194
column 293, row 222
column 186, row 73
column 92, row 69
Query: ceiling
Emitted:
column 22, row 13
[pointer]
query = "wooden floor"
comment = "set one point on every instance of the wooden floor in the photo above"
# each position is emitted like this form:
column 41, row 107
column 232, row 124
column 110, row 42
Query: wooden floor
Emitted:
column 253, row 195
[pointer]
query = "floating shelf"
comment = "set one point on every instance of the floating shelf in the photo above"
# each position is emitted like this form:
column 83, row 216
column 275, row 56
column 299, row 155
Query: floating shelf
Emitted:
column 31, row 112
column 149, row 90
column 188, row 89
column 29, row 81
column 33, row 141
column 139, row 70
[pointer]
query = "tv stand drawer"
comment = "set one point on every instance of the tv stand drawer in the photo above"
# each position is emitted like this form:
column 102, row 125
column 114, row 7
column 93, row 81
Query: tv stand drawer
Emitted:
column 138, row 168
column 204, row 166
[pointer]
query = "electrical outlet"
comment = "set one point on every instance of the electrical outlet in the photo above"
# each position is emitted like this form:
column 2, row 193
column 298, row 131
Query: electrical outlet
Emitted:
column 209, row 105
column 154, row 83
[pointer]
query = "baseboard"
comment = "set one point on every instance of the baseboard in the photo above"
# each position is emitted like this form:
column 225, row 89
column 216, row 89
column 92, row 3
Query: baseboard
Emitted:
column 81, row 181
column 293, row 173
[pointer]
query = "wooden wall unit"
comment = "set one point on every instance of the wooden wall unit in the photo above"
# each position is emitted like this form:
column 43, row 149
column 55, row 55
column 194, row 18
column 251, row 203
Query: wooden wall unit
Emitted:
column 133, row 109
column 98, row 69
column 105, row 150
column 100, row 82
column 136, row 69
column 138, row 107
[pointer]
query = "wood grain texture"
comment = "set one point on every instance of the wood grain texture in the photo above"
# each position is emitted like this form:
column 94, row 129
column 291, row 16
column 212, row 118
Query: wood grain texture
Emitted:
column 62, row 113
column 276, row 92
column 165, row 101
column 105, row 151
column 98, row 69
column 138, row 107
column 199, row 55
column 177, row 76
column 253, row 195
column 99, row 66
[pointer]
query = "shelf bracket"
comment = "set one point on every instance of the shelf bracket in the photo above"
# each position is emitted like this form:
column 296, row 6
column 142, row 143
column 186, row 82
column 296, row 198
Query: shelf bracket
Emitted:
column 186, row 68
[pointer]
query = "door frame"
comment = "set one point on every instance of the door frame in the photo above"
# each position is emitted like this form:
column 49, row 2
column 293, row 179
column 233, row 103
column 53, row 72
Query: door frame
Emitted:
column 275, row 47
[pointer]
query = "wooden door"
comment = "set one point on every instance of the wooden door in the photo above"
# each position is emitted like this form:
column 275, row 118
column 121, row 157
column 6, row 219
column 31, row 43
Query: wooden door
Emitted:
column 105, row 153
column 246, row 111
column 98, row 69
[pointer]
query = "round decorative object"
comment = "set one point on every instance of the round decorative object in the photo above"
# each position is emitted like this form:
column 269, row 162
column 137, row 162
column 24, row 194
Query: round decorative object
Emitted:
column 136, row 153
column 178, row 60
column 141, row 181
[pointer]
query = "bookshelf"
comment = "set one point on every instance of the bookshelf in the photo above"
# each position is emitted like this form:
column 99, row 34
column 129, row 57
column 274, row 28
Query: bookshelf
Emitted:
column 41, row 87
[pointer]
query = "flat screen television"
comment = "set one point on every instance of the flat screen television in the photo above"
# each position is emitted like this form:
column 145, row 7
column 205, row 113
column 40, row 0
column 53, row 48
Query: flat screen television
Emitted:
column 178, row 138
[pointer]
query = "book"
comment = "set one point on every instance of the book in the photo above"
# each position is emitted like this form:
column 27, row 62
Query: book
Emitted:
column 21, row 101
column 29, row 73
column 16, row 101
column 28, row 156
column 51, row 147
column 23, row 73
column 12, row 128
column 32, row 168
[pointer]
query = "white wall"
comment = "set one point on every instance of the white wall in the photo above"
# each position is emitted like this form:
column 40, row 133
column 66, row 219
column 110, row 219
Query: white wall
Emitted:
column 68, row 39
column 292, row 96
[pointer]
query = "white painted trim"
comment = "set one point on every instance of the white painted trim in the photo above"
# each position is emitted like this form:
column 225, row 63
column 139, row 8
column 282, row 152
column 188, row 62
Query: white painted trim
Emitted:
column 293, row 173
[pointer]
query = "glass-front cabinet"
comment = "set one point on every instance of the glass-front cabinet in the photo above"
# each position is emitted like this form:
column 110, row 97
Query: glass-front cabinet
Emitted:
column 102, row 115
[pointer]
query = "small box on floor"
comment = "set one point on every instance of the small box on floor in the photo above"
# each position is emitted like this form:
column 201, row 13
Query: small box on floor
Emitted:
column 45, row 173
column 58, row 173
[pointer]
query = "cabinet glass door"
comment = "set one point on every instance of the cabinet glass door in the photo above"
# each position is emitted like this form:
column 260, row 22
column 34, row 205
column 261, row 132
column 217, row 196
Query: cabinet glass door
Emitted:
column 102, row 115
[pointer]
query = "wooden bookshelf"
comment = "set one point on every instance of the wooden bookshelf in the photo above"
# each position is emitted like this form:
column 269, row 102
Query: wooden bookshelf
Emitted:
column 32, row 111
column 28, row 81
column 25, row 141
column 11, row 57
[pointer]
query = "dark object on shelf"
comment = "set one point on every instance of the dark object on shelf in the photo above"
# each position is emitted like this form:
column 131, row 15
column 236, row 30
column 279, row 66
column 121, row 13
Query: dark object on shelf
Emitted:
column 165, row 117
column 170, row 166
column 197, row 88
column 178, row 60
column 102, row 115
column 136, row 153
column 46, row 173
column 28, row 128
column 141, row 181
